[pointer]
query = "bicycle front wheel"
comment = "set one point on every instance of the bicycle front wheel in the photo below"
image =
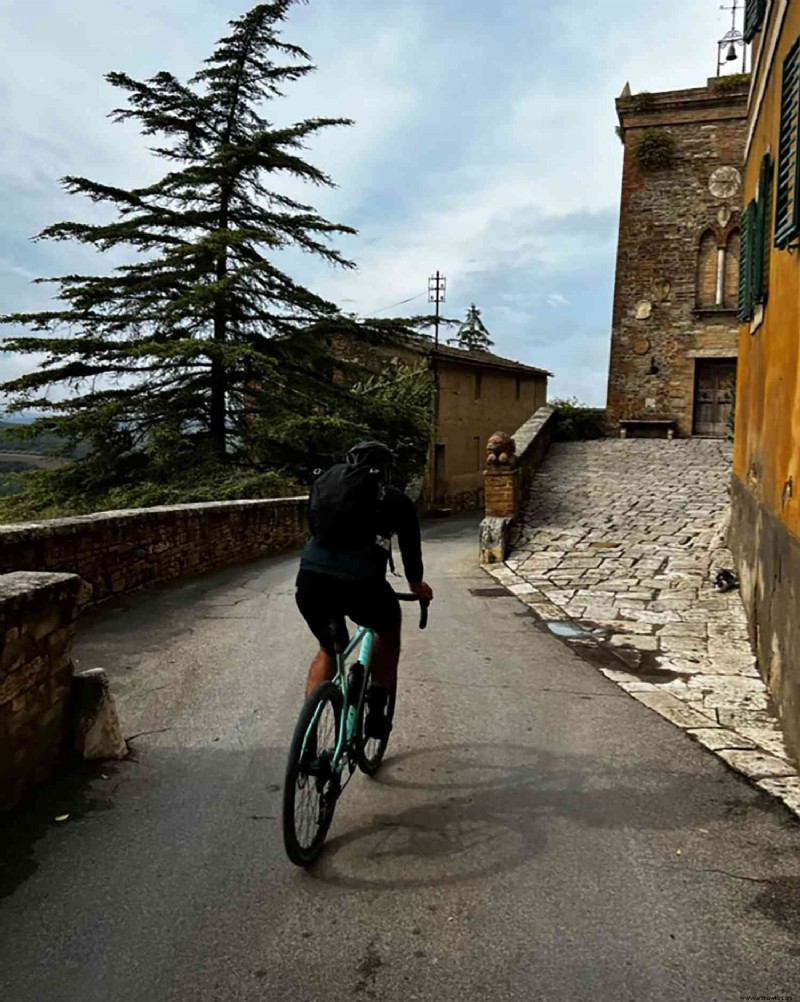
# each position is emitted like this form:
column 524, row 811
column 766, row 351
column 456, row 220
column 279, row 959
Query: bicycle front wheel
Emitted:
column 312, row 785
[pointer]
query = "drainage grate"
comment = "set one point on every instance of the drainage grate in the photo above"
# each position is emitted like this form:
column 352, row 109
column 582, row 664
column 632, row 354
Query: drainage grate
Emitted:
column 498, row 592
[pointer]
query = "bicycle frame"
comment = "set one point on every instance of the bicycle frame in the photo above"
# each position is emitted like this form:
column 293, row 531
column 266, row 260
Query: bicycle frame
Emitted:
column 363, row 639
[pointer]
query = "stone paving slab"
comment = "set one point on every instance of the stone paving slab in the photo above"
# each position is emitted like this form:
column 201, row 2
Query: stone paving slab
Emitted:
column 623, row 539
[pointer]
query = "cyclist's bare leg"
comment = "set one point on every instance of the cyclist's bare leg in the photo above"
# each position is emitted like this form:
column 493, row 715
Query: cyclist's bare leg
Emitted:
column 385, row 658
column 323, row 668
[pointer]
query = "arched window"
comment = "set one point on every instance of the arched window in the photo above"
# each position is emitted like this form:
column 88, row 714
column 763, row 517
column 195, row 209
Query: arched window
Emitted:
column 707, row 271
column 731, row 281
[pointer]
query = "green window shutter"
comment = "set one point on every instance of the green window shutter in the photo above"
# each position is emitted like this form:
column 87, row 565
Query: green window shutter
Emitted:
column 754, row 11
column 787, row 207
column 760, row 229
column 745, row 288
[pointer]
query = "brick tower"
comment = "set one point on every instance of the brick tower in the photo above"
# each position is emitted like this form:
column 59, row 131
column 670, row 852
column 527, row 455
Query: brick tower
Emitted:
column 675, row 329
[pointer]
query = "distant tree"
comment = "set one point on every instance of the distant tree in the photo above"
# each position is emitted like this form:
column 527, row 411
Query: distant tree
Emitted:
column 199, row 352
column 472, row 334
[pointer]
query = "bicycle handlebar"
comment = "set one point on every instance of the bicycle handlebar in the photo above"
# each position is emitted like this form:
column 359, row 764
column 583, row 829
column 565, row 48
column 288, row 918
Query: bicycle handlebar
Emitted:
column 423, row 606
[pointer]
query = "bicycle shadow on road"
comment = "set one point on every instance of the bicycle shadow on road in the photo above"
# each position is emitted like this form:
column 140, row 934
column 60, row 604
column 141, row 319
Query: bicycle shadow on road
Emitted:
column 485, row 809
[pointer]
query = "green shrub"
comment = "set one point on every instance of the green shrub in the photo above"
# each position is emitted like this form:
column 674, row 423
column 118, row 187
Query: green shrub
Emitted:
column 655, row 151
column 576, row 422
column 733, row 82
column 58, row 493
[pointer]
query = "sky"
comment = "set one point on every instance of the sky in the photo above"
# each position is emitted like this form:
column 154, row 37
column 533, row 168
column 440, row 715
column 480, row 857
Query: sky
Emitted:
column 484, row 147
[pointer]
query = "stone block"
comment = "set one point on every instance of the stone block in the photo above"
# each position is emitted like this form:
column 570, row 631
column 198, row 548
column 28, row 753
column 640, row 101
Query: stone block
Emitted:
column 757, row 765
column 717, row 738
column 25, row 678
column 674, row 710
column 494, row 538
column 786, row 788
column 96, row 725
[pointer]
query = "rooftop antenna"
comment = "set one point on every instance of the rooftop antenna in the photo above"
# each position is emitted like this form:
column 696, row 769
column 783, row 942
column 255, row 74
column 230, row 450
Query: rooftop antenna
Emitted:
column 731, row 40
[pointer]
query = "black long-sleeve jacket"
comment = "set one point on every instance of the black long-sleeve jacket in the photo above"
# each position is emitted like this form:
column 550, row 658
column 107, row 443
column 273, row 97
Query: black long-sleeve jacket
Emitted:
column 396, row 516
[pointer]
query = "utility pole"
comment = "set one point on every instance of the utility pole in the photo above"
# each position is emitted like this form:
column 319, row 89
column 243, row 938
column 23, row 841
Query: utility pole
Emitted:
column 436, row 294
column 437, row 286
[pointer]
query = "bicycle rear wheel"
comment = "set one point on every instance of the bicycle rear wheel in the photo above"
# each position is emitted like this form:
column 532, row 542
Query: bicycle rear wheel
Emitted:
column 372, row 750
column 312, row 786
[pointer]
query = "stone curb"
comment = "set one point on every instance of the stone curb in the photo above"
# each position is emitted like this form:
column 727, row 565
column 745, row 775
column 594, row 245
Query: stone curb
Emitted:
column 768, row 768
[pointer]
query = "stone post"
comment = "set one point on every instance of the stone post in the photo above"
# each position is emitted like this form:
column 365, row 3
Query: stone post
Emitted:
column 510, row 466
column 501, row 480
column 502, row 490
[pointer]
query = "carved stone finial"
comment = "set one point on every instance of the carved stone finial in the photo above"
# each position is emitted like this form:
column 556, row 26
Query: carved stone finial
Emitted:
column 500, row 450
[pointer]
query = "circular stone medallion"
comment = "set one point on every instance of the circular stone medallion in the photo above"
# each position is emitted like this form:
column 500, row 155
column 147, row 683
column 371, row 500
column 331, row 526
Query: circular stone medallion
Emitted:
column 641, row 346
column 725, row 182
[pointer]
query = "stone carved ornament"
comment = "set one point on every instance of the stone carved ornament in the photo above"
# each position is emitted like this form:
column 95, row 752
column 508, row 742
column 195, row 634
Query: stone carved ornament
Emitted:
column 725, row 182
column 661, row 289
column 500, row 450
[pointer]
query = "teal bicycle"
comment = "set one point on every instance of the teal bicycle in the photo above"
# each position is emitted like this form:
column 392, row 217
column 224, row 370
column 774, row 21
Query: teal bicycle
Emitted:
column 329, row 742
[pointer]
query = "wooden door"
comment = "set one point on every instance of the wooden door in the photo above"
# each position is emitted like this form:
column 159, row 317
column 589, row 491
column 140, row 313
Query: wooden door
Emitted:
column 715, row 396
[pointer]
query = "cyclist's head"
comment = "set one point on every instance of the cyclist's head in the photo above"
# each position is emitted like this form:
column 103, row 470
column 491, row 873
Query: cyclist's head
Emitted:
column 376, row 455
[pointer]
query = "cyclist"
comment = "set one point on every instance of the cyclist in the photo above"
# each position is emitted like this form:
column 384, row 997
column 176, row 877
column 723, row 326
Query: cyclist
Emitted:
column 353, row 513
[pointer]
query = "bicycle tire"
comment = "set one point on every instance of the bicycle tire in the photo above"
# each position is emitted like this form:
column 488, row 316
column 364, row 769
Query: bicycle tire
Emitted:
column 370, row 750
column 301, row 849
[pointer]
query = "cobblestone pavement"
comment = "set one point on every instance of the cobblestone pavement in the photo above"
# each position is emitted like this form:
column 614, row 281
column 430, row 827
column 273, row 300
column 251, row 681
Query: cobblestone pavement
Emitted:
column 619, row 543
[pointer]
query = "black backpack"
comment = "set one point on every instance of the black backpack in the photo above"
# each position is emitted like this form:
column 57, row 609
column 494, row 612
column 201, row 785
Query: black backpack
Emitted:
column 343, row 507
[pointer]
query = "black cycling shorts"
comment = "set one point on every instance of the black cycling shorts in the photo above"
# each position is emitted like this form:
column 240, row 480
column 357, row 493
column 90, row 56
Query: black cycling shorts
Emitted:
column 323, row 599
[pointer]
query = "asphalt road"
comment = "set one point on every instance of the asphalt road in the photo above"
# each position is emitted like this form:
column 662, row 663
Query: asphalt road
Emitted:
column 534, row 834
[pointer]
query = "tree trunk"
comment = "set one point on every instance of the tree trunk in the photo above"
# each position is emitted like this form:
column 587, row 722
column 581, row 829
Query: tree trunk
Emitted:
column 218, row 374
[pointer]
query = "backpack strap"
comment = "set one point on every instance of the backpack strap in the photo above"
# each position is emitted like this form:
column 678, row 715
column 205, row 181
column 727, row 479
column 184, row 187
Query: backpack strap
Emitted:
column 392, row 567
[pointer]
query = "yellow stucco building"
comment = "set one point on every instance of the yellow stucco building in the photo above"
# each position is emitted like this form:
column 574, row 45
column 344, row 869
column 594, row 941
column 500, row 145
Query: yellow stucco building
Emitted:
column 479, row 393
column 765, row 530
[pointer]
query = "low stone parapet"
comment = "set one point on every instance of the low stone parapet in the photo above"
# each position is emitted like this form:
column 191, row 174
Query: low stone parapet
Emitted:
column 511, row 465
column 37, row 623
column 120, row 551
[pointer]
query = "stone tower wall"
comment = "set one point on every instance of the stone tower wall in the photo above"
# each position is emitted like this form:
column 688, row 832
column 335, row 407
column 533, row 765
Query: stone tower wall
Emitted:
column 665, row 316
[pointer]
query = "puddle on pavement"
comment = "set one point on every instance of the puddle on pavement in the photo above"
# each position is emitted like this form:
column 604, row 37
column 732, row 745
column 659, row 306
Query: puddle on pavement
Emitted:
column 644, row 665
column 569, row 631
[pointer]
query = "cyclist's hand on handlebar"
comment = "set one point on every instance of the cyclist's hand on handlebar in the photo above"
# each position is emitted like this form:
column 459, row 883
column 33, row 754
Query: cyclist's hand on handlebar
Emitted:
column 423, row 590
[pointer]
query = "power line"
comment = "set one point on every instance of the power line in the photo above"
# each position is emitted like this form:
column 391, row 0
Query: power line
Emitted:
column 402, row 302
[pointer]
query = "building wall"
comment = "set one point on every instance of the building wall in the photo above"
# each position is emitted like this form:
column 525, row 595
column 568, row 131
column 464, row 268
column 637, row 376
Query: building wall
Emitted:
column 466, row 416
column 474, row 403
column 765, row 532
column 671, row 226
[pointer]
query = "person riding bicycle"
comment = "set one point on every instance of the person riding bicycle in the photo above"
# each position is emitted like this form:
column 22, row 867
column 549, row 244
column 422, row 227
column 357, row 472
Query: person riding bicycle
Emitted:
column 353, row 513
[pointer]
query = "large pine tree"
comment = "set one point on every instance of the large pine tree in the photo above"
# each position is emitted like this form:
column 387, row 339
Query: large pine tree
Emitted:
column 200, row 351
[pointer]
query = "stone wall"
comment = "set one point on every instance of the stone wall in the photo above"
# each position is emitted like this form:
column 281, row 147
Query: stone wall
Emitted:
column 672, row 227
column 120, row 551
column 37, row 624
column 507, row 485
